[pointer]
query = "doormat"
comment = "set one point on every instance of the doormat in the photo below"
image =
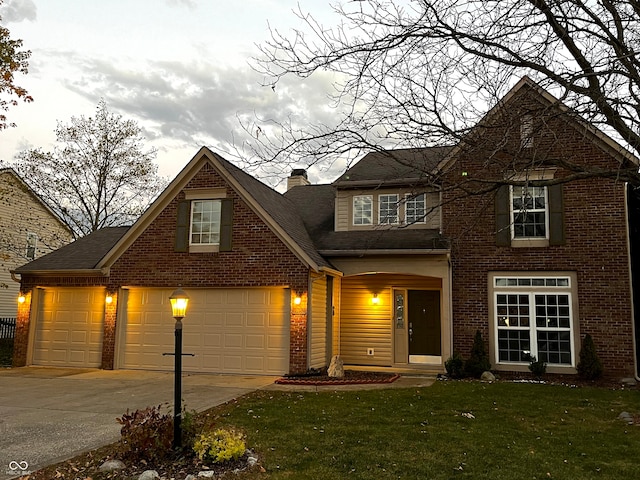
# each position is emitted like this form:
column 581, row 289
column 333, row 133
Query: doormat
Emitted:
column 350, row 378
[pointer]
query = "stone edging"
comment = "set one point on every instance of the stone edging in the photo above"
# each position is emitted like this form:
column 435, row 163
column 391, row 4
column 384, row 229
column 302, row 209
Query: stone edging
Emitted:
column 337, row 381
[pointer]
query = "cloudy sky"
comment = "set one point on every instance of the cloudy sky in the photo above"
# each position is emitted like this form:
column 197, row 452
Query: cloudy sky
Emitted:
column 180, row 68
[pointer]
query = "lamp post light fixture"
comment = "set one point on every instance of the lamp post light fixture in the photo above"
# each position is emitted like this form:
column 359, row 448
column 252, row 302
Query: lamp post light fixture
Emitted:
column 179, row 301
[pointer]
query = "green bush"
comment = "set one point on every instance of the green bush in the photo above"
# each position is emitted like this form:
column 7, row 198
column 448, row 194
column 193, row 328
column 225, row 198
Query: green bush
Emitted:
column 589, row 366
column 219, row 446
column 478, row 361
column 537, row 367
column 146, row 435
column 455, row 365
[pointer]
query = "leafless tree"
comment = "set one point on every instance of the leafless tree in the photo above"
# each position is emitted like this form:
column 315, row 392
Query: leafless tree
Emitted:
column 423, row 73
column 101, row 176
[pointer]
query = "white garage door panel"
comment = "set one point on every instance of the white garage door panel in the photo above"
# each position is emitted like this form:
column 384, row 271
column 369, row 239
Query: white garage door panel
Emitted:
column 68, row 330
column 228, row 330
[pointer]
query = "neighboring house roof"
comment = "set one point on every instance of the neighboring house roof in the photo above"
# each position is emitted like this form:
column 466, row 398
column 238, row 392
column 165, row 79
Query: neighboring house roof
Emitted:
column 82, row 254
column 10, row 171
column 404, row 166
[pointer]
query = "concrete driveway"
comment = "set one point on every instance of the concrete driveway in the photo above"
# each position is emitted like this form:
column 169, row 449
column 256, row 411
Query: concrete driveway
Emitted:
column 51, row 414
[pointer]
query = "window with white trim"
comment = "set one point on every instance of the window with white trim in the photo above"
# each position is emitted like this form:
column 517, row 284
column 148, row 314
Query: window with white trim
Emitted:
column 32, row 244
column 529, row 212
column 415, row 208
column 388, row 209
column 534, row 317
column 205, row 222
column 363, row 210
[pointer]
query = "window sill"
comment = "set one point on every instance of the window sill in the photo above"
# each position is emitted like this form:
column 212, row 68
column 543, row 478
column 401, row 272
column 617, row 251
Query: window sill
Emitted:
column 529, row 242
column 520, row 367
column 204, row 248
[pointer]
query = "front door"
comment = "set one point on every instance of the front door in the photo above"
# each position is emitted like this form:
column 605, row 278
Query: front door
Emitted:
column 425, row 345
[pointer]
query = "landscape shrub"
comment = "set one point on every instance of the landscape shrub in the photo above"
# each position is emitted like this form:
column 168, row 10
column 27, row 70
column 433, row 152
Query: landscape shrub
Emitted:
column 589, row 366
column 455, row 365
column 537, row 367
column 146, row 434
column 478, row 361
column 220, row 446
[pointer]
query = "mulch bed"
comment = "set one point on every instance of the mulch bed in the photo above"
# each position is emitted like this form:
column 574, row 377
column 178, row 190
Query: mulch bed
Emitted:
column 351, row 377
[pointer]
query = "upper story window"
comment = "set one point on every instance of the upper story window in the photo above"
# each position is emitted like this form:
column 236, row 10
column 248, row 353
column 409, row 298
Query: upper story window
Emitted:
column 363, row 210
column 205, row 222
column 388, row 209
column 415, row 208
column 32, row 244
column 529, row 212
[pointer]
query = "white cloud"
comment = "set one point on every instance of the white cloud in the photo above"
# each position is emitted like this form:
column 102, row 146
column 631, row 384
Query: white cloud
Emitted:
column 16, row 11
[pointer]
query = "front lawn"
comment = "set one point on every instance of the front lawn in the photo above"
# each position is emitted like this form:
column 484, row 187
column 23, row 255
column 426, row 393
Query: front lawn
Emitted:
column 450, row 430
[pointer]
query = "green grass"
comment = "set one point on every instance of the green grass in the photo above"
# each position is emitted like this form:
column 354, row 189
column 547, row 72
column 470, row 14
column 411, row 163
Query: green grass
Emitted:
column 518, row 431
column 6, row 351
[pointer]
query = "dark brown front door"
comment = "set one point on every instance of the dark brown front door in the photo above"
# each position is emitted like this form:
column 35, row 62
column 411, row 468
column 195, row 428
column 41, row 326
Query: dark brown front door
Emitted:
column 424, row 325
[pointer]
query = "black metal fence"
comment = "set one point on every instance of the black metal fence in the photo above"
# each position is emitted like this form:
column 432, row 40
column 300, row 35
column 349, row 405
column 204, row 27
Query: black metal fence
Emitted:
column 7, row 327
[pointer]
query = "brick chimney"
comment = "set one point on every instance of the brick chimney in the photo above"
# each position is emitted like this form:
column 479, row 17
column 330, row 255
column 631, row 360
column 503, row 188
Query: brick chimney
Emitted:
column 298, row 177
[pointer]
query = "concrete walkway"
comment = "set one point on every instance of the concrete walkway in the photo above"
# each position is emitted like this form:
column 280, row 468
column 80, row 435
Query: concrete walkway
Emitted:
column 51, row 414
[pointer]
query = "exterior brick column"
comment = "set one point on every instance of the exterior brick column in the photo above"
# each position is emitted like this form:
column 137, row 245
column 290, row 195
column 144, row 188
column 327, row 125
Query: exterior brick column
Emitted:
column 21, row 338
column 109, row 331
column 298, row 334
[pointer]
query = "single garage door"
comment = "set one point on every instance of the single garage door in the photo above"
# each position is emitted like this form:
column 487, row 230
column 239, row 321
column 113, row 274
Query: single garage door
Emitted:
column 227, row 330
column 68, row 327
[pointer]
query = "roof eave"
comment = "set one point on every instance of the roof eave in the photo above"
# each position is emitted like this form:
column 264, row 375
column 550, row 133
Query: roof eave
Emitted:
column 385, row 251
column 83, row 272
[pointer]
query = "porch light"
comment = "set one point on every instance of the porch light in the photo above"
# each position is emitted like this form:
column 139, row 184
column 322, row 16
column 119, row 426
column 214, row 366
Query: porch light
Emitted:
column 22, row 299
column 375, row 300
column 108, row 299
column 179, row 301
column 297, row 300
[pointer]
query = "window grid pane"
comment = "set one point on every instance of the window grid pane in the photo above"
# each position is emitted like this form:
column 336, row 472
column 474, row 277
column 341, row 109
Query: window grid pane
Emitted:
column 388, row 209
column 529, row 212
column 205, row 222
column 544, row 316
column 415, row 209
column 362, row 210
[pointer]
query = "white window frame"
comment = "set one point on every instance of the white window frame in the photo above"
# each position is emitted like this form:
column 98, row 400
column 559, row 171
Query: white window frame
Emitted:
column 208, row 224
column 410, row 201
column 388, row 209
column 359, row 216
column 509, row 318
column 532, row 210
column 31, row 247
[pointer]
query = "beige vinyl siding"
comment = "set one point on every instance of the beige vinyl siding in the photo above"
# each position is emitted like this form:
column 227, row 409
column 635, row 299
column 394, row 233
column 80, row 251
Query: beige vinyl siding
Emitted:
column 21, row 213
column 318, row 340
column 344, row 209
column 365, row 326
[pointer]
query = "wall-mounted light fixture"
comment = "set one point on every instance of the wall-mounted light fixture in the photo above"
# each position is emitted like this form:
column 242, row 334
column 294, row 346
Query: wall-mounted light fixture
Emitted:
column 375, row 300
column 22, row 299
column 297, row 300
column 108, row 299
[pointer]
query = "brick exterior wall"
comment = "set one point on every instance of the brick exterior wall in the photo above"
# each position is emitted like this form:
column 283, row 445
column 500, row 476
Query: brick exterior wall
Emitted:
column 258, row 259
column 596, row 245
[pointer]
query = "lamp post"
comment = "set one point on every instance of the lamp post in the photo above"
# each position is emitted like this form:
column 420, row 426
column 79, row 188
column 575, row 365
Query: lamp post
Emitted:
column 179, row 300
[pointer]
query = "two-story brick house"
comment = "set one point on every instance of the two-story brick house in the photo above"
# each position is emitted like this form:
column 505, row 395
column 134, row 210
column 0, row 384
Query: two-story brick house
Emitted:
column 389, row 266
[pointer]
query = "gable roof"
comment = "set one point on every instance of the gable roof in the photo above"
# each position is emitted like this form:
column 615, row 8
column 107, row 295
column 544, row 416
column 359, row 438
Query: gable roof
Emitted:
column 84, row 254
column 274, row 209
column 406, row 166
column 597, row 136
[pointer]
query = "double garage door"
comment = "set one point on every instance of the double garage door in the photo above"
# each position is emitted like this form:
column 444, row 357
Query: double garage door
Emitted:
column 226, row 330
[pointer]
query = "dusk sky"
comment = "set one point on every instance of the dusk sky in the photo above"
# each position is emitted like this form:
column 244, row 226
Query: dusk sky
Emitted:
column 180, row 68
